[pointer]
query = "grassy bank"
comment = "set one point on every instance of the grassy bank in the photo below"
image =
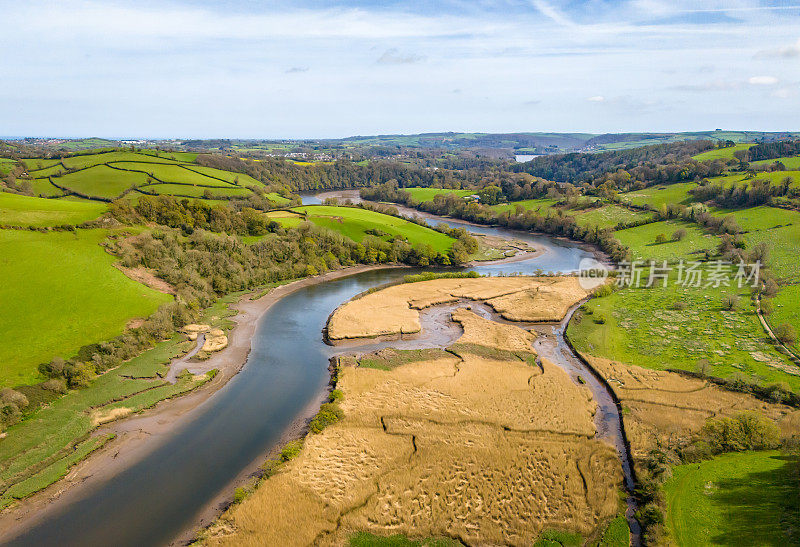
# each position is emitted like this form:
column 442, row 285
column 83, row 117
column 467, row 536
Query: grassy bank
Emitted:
column 61, row 291
column 748, row 498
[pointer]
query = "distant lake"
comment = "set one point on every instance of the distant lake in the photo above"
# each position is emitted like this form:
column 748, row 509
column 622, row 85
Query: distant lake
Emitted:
column 522, row 158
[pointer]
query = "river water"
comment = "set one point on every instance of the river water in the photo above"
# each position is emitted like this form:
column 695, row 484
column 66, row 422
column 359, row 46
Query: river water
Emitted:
column 158, row 497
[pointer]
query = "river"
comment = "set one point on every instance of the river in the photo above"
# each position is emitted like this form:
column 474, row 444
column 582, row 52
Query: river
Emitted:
column 159, row 496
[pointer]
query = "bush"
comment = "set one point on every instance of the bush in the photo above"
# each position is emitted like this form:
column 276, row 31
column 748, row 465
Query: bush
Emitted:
column 766, row 307
column 56, row 385
column 328, row 414
column 679, row 234
column 661, row 238
column 239, row 495
column 785, row 333
column 291, row 450
column 679, row 305
column 730, row 301
column 604, row 290
column 335, row 395
column 745, row 431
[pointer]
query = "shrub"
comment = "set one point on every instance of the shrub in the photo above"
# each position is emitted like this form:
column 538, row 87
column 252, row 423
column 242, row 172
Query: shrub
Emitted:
column 679, row 234
column 291, row 450
column 766, row 307
column 335, row 395
column 730, row 301
column 703, row 367
column 745, row 431
column 328, row 414
column 661, row 238
column 604, row 290
column 785, row 333
column 679, row 305
column 599, row 319
column 239, row 495
column 56, row 385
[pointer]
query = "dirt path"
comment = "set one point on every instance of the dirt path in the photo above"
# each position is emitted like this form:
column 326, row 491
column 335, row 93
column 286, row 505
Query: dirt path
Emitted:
column 139, row 434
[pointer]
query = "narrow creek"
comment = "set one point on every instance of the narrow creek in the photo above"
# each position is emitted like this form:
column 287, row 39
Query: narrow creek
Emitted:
column 159, row 496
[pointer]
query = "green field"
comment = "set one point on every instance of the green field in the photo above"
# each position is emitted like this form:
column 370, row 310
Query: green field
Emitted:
column 6, row 165
column 608, row 216
column 775, row 177
column 779, row 229
column 427, row 194
column 656, row 196
column 195, row 191
column 722, row 153
column 540, row 206
column 641, row 326
column 748, row 498
column 792, row 163
column 641, row 240
column 16, row 210
column 111, row 174
column 60, row 291
column 353, row 222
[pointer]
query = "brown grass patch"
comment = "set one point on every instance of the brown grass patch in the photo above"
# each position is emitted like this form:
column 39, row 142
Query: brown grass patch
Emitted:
column 146, row 277
column 485, row 450
column 215, row 340
column 664, row 408
column 100, row 417
column 394, row 310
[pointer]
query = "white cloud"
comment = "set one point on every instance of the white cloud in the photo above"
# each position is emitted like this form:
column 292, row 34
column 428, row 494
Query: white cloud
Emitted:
column 596, row 99
column 393, row 57
column 787, row 52
column 762, row 80
column 784, row 92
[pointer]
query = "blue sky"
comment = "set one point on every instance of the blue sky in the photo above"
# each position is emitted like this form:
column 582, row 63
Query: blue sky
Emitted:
column 249, row 69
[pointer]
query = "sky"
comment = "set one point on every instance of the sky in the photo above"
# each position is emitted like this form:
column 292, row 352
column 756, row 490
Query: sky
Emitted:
column 313, row 69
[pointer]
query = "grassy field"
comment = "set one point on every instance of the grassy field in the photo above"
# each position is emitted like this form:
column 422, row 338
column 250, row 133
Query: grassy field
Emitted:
column 642, row 326
column 111, row 174
column 540, row 206
column 748, row 498
column 779, row 229
column 775, row 177
column 608, row 216
column 16, row 210
column 656, row 196
column 722, row 153
column 641, row 240
column 427, row 194
column 354, row 222
column 6, row 165
column 60, row 291
column 792, row 163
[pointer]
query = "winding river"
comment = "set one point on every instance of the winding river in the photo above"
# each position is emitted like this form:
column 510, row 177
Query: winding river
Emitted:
column 160, row 496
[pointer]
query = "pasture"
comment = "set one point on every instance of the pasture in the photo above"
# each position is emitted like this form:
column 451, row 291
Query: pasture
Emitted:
column 791, row 163
column 109, row 175
column 60, row 291
column 642, row 241
column 722, row 153
column 678, row 327
column 355, row 223
column 748, row 498
column 427, row 194
column 17, row 210
column 661, row 194
column 541, row 207
column 607, row 216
